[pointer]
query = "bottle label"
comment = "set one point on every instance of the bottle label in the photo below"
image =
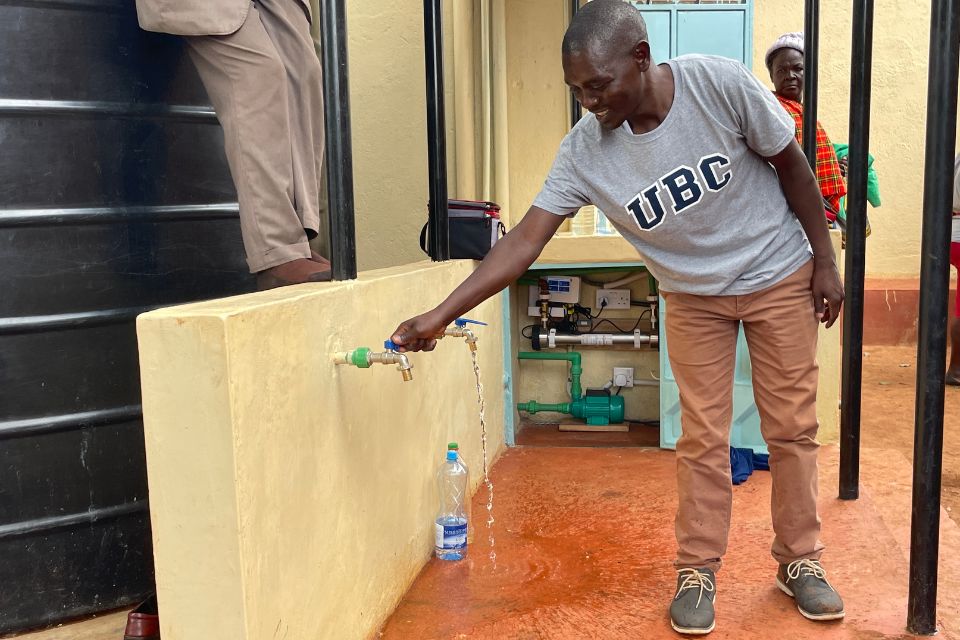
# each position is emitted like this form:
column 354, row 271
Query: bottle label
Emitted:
column 451, row 536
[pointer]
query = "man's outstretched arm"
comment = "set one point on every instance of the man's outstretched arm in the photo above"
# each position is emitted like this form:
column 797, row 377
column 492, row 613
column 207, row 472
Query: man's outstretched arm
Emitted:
column 803, row 195
column 507, row 261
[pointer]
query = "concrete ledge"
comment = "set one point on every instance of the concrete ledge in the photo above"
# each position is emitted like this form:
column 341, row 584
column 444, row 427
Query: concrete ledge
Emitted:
column 570, row 249
column 290, row 497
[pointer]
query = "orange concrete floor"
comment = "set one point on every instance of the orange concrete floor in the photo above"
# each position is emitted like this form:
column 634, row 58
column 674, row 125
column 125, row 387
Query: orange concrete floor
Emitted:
column 584, row 544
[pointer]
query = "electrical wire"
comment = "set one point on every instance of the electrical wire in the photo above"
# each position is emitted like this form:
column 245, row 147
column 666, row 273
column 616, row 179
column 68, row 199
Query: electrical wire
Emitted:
column 612, row 324
column 609, row 322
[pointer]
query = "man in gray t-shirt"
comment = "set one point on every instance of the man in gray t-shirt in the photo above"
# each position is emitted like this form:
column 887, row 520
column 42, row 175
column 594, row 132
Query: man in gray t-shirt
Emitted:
column 697, row 166
column 695, row 195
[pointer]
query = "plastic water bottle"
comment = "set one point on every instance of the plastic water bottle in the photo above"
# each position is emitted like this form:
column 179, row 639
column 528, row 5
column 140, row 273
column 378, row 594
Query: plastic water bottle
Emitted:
column 468, row 504
column 451, row 522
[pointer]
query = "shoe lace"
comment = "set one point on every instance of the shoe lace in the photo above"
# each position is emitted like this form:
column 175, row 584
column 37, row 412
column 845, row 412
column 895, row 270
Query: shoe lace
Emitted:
column 806, row 567
column 694, row 579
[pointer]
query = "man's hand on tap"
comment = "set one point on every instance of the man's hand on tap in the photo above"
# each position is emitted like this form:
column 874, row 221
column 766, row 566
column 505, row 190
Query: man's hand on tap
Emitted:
column 419, row 333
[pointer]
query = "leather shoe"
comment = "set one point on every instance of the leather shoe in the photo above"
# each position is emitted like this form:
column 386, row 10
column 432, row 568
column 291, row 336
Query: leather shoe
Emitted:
column 294, row 272
column 143, row 623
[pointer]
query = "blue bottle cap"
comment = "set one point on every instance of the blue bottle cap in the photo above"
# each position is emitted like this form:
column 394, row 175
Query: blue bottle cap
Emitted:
column 451, row 456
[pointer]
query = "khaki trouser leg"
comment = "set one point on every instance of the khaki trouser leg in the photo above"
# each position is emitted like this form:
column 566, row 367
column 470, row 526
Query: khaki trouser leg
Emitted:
column 701, row 340
column 287, row 25
column 247, row 78
column 781, row 332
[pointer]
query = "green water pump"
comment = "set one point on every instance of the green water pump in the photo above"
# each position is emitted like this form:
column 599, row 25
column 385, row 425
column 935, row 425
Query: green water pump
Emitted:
column 597, row 406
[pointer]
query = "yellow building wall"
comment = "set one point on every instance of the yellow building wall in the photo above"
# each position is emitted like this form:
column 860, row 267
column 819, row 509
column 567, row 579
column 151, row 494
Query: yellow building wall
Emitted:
column 537, row 112
column 389, row 125
column 290, row 497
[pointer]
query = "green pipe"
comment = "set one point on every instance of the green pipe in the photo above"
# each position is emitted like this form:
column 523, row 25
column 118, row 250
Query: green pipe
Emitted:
column 533, row 406
column 573, row 357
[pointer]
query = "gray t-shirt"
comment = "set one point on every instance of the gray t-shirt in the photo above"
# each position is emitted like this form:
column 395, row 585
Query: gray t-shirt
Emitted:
column 695, row 196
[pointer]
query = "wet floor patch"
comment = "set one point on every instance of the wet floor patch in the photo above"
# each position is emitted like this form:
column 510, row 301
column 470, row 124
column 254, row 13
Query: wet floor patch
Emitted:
column 585, row 545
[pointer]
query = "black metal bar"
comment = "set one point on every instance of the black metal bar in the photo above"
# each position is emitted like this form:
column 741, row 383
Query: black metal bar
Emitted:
column 576, row 111
column 855, row 264
column 339, row 152
column 811, row 53
column 53, row 523
column 438, row 237
column 13, row 107
column 45, row 425
column 117, row 214
column 932, row 337
column 76, row 320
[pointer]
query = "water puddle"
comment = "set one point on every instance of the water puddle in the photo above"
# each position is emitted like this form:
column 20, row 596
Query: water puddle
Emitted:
column 483, row 445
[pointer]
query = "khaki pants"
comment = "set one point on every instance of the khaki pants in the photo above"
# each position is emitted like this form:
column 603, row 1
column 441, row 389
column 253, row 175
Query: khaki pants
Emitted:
column 265, row 83
column 781, row 332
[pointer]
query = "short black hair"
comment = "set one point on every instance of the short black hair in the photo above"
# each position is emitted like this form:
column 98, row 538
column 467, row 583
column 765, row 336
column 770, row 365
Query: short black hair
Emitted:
column 603, row 27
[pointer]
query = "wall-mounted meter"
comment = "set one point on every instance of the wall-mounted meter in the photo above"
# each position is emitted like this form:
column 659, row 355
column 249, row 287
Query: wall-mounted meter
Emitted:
column 563, row 290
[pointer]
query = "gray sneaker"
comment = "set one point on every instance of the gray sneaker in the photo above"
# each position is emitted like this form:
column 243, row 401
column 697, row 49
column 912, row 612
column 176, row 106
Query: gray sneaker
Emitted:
column 806, row 582
column 691, row 611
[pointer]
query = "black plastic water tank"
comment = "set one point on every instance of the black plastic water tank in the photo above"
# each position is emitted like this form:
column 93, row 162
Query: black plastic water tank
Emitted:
column 114, row 198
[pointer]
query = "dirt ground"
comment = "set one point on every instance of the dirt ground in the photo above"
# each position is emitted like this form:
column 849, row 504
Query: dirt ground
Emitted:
column 887, row 421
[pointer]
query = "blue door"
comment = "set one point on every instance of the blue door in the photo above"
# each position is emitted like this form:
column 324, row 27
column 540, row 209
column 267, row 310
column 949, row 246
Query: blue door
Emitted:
column 716, row 29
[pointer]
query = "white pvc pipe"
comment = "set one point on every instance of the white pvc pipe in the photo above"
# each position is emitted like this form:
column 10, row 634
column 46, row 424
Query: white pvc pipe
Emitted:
column 624, row 280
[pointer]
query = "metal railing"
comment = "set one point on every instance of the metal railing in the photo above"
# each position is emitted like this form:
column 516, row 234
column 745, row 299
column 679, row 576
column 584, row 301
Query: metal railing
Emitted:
column 941, row 122
column 855, row 257
column 932, row 336
column 339, row 152
column 438, row 238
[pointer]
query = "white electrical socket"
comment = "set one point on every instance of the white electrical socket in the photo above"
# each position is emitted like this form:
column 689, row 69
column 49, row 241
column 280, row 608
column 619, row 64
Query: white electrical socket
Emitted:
column 623, row 376
column 614, row 298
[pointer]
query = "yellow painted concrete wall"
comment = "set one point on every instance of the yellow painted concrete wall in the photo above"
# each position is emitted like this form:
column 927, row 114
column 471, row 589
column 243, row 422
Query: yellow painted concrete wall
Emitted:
column 290, row 497
column 389, row 127
column 388, row 117
column 537, row 112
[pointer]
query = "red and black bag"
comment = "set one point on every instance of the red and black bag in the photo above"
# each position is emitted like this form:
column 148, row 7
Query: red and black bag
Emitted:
column 474, row 227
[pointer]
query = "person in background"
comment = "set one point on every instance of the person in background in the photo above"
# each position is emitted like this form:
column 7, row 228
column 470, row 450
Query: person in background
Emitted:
column 953, row 369
column 784, row 61
column 259, row 66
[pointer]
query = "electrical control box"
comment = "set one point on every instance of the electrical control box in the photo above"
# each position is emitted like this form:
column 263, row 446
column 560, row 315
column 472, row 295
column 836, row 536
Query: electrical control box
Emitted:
column 563, row 290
